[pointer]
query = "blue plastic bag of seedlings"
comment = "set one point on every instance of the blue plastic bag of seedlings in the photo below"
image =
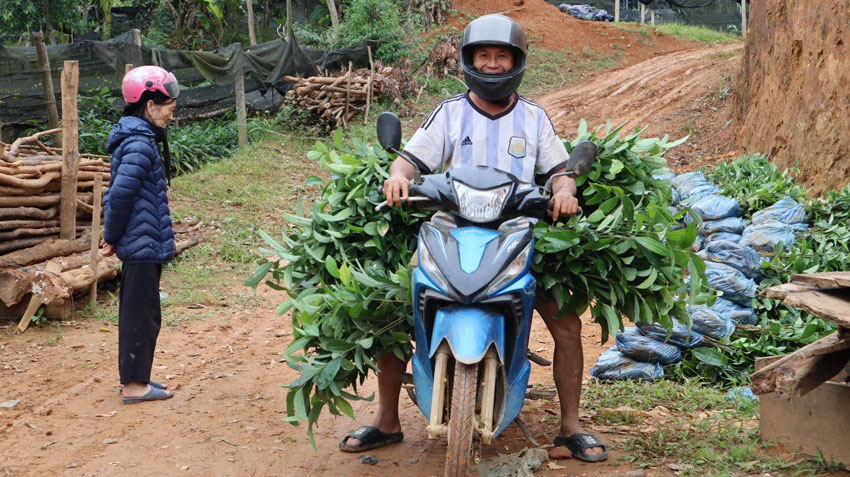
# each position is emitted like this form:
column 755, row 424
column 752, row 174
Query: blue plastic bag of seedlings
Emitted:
column 679, row 335
column 785, row 210
column 692, row 194
column 635, row 345
column 740, row 257
column 709, row 323
column 734, row 225
column 667, row 176
column 698, row 243
column 727, row 236
column 734, row 284
column 689, row 179
column 614, row 366
column 716, row 207
column 739, row 314
column 676, row 197
column 741, row 394
column 765, row 236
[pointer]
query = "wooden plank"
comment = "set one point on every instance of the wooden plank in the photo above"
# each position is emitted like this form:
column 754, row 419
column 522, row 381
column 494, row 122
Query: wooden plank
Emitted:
column 825, row 279
column 70, row 150
column 800, row 372
column 817, row 423
column 241, row 111
column 832, row 305
column 36, row 301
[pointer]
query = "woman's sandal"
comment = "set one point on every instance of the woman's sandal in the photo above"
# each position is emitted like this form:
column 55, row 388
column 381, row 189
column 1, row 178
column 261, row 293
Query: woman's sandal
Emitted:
column 153, row 394
column 152, row 384
column 579, row 443
column 370, row 438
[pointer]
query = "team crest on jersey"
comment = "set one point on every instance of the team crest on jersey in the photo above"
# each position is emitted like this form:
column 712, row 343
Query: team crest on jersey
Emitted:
column 516, row 147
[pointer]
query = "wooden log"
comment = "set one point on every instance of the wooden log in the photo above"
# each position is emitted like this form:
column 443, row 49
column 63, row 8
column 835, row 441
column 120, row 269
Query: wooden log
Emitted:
column 41, row 200
column 20, row 224
column 832, row 305
column 45, row 251
column 825, row 279
column 13, row 245
column 70, row 150
column 33, row 186
column 17, row 233
column 805, row 369
column 95, row 233
column 13, row 148
column 28, row 213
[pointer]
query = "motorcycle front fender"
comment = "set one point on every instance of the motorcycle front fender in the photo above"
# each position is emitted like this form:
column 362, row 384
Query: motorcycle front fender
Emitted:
column 469, row 332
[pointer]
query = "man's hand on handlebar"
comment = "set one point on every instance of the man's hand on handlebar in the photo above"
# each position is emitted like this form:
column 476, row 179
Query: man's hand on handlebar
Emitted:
column 396, row 188
column 564, row 204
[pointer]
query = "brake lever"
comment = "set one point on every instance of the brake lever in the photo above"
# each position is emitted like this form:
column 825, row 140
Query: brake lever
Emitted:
column 415, row 198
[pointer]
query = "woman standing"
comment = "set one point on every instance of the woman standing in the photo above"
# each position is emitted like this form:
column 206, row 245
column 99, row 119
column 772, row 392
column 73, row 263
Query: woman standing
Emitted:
column 137, row 222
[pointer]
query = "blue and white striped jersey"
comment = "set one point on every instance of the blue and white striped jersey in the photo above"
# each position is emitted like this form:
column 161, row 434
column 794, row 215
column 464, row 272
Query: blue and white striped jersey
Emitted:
column 518, row 140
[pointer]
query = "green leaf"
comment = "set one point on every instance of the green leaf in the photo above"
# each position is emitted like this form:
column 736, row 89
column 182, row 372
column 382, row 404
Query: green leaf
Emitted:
column 313, row 180
column 653, row 245
column 331, row 267
column 710, row 356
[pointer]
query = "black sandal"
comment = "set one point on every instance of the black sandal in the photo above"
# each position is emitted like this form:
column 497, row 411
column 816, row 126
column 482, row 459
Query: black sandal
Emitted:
column 370, row 438
column 579, row 443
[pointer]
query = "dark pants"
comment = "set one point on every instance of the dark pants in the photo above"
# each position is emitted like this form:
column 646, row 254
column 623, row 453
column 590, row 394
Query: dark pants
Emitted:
column 139, row 320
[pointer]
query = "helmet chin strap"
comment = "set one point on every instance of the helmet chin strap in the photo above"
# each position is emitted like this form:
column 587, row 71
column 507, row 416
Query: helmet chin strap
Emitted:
column 503, row 101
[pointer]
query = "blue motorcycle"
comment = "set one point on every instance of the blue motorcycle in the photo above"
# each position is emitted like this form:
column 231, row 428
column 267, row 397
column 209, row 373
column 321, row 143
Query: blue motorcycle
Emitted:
column 473, row 296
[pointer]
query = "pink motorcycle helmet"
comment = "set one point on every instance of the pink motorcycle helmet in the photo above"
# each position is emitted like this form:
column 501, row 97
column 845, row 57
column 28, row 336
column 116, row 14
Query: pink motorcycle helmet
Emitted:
column 148, row 78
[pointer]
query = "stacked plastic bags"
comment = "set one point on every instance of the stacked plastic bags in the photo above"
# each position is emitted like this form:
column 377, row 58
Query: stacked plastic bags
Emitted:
column 731, row 250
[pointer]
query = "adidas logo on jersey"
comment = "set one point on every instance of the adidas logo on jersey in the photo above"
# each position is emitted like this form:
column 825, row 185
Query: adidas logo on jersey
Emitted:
column 466, row 141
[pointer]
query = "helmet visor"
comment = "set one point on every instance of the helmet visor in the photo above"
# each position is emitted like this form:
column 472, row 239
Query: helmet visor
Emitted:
column 172, row 87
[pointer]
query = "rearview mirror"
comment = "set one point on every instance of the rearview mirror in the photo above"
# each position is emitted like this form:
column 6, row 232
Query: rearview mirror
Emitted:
column 389, row 131
column 581, row 159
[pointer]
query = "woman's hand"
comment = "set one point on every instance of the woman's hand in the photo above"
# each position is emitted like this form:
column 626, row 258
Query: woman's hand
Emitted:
column 108, row 249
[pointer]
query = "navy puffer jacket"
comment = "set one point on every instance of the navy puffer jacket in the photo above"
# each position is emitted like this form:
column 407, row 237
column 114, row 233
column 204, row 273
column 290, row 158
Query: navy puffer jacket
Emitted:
column 136, row 218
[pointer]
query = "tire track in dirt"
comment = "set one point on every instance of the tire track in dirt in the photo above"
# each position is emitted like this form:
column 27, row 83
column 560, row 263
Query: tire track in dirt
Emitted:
column 652, row 92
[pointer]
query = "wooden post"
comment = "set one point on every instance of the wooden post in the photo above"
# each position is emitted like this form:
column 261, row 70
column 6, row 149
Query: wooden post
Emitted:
column 46, row 82
column 241, row 114
column 652, row 17
column 369, row 86
column 642, row 14
column 744, row 18
column 616, row 11
column 137, row 37
column 250, row 7
column 137, row 42
column 95, row 235
column 70, row 151
column 36, row 300
column 127, row 68
column 347, row 94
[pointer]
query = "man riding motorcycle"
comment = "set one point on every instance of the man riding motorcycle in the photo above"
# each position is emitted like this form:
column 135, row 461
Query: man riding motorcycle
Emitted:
column 491, row 124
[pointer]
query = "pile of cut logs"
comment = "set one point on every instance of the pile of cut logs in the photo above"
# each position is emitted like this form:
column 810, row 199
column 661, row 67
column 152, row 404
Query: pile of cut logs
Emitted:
column 334, row 100
column 30, row 182
column 34, row 261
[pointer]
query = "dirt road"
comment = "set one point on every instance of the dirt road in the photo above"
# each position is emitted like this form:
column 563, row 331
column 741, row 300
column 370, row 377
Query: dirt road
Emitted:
column 226, row 369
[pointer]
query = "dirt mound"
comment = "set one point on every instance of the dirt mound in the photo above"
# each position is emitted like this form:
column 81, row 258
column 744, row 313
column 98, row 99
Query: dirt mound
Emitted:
column 792, row 97
column 550, row 29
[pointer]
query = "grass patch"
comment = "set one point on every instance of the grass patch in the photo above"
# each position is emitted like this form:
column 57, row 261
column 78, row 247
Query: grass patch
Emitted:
column 697, row 33
column 548, row 71
column 690, row 428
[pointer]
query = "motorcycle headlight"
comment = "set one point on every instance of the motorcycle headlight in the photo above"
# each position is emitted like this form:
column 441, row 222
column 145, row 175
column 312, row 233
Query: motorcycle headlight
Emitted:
column 480, row 205
column 514, row 268
column 426, row 261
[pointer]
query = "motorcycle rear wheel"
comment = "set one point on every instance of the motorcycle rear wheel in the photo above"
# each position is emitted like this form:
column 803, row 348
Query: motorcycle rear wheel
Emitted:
column 461, row 419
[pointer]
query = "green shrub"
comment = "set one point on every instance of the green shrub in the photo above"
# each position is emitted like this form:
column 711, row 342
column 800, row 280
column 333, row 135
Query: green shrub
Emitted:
column 378, row 20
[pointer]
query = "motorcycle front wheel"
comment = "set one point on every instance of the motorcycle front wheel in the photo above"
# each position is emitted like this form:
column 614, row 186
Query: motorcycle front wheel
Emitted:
column 461, row 419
